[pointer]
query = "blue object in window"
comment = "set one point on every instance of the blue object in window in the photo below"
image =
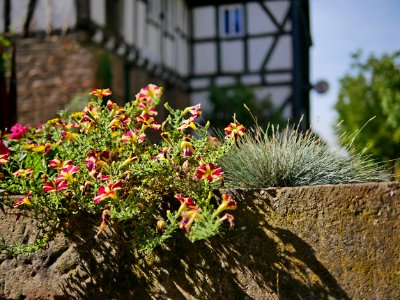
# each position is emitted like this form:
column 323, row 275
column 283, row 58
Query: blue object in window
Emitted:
column 227, row 23
column 237, row 20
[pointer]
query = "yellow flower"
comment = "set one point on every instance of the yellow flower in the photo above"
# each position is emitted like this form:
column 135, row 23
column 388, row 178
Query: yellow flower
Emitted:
column 28, row 146
column 77, row 115
column 39, row 148
column 53, row 121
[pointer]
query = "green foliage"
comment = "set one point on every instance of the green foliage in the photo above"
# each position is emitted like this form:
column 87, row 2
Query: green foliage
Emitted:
column 5, row 57
column 78, row 103
column 372, row 89
column 230, row 100
column 99, row 162
column 104, row 75
column 274, row 158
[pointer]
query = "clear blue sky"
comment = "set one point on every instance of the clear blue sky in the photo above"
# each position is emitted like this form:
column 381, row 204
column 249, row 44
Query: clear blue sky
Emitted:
column 339, row 28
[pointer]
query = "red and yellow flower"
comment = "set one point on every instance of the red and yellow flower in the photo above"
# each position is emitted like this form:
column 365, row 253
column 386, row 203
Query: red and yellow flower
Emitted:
column 109, row 191
column 133, row 137
column 187, row 123
column 25, row 200
column 67, row 173
column 209, row 172
column 23, row 172
column 4, row 149
column 59, row 163
column 188, row 217
column 194, row 110
column 226, row 204
column 100, row 93
column 147, row 121
column 147, row 95
column 187, row 148
column 55, row 186
column 229, row 218
column 186, row 204
column 3, row 159
column 235, row 130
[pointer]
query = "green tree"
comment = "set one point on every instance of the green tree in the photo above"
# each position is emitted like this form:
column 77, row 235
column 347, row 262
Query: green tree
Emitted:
column 230, row 100
column 372, row 89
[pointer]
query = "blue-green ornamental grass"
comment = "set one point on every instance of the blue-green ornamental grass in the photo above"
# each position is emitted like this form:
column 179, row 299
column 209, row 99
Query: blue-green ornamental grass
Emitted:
column 290, row 157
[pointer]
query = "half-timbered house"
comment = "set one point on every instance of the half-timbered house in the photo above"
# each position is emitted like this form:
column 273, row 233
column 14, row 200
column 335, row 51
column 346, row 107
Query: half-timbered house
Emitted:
column 187, row 46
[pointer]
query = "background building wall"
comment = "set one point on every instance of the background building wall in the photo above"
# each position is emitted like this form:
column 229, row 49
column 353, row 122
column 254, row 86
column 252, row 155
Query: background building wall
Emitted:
column 49, row 73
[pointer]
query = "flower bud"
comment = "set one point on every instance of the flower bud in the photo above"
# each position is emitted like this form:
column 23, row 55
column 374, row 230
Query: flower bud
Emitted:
column 161, row 226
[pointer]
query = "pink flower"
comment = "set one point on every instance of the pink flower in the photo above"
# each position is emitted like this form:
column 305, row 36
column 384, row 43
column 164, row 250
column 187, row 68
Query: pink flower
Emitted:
column 119, row 122
column 100, row 92
column 107, row 192
column 55, row 186
column 235, row 130
column 24, row 200
column 209, row 172
column 17, row 131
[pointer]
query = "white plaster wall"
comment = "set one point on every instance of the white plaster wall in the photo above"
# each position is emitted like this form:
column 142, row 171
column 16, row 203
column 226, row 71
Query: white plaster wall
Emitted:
column 232, row 56
column 279, row 9
column 258, row 48
column 128, row 21
column 205, row 58
column 169, row 53
column 153, row 43
column 140, row 27
column 1, row 14
column 259, row 21
column 182, row 57
column 98, row 12
column 19, row 10
column 282, row 55
column 204, row 22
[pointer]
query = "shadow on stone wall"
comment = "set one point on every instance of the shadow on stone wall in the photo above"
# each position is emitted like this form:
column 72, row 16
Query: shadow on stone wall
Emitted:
column 333, row 242
column 249, row 262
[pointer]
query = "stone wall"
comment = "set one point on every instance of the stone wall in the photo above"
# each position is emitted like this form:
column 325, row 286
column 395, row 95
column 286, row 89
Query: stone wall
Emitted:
column 322, row 242
column 51, row 70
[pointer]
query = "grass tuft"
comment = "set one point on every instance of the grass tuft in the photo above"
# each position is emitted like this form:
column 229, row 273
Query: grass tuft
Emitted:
column 290, row 157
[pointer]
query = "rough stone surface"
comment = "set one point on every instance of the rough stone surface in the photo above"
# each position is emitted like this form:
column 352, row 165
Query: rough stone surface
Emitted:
column 322, row 242
column 51, row 70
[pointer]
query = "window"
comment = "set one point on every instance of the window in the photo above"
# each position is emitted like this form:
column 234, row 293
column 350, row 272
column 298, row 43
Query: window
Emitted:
column 231, row 20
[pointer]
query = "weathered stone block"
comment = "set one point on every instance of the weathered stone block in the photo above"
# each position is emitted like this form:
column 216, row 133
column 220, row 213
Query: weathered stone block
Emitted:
column 321, row 242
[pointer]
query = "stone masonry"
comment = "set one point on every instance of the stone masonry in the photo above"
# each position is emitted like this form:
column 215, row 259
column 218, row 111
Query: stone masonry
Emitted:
column 320, row 242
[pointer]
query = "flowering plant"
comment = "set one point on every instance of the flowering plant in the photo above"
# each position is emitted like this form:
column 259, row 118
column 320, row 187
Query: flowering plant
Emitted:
column 101, row 161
